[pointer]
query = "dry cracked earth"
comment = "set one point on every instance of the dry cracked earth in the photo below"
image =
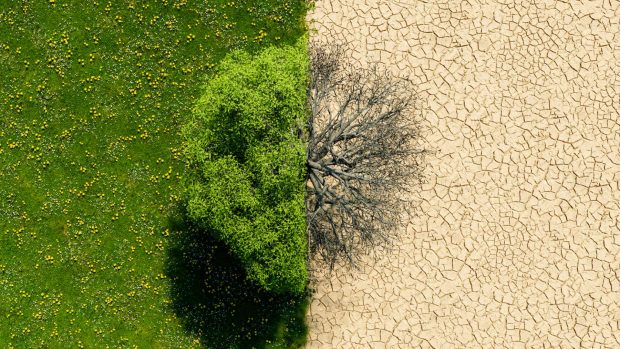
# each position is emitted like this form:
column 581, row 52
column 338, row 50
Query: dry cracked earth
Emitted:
column 516, row 238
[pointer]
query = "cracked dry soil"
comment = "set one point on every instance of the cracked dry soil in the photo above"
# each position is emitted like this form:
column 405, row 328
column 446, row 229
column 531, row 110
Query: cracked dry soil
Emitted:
column 516, row 241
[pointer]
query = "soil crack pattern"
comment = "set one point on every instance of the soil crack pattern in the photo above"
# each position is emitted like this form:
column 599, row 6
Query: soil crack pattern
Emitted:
column 516, row 241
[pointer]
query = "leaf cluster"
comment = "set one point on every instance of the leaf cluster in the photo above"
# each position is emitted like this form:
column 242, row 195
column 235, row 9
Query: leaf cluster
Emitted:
column 247, row 163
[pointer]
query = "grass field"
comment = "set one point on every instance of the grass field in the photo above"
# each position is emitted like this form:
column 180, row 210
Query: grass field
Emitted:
column 93, row 252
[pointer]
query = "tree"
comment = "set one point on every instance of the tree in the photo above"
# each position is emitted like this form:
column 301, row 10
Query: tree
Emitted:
column 363, row 154
column 247, row 163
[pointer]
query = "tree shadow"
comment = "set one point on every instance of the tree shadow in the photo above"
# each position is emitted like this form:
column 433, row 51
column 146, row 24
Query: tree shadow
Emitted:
column 213, row 299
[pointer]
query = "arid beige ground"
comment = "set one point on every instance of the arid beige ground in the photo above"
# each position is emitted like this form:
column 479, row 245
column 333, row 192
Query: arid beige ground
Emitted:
column 516, row 242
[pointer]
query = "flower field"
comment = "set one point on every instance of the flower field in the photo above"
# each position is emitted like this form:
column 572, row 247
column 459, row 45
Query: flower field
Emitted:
column 92, row 254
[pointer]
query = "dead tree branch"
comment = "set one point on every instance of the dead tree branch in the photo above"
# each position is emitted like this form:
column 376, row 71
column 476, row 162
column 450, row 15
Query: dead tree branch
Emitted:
column 363, row 155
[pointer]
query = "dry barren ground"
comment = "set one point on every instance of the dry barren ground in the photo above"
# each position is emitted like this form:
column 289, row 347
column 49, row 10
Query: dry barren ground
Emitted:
column 516, row 243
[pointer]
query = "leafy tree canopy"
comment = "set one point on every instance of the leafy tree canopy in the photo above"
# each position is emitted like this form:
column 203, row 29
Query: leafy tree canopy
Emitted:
column 248, row 163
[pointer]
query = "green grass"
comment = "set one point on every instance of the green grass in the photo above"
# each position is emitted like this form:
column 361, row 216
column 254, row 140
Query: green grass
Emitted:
column 212, row 296
column 92, row 94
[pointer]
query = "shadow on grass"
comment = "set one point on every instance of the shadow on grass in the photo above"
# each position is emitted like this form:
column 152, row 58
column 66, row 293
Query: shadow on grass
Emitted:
column 212, row 297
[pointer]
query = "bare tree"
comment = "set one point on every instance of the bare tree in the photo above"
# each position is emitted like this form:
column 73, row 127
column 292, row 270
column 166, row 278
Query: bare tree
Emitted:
column 363, row 155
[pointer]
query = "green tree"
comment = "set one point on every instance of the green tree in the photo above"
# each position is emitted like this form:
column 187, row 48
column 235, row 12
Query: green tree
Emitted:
column 248, row 163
